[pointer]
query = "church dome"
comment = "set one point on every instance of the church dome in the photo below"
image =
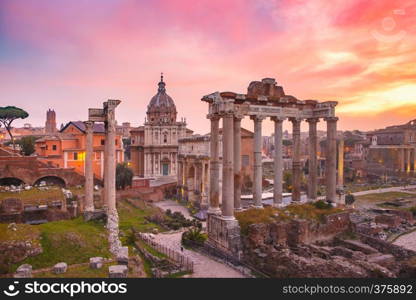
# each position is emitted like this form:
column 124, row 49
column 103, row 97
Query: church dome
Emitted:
column 161, row 103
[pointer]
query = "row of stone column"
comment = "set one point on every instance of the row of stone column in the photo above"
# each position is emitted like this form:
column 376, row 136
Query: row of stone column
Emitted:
column 231, row 185
column 405, row 159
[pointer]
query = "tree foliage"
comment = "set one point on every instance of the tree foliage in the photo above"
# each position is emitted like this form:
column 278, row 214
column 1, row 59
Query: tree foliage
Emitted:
column 124, row 176
column 8, row 114
column 27, row 145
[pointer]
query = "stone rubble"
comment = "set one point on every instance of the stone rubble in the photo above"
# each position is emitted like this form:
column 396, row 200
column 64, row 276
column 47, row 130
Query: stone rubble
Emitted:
column 60, row 268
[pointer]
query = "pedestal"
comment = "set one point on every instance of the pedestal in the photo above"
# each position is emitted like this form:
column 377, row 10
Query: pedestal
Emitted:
column 224, row 234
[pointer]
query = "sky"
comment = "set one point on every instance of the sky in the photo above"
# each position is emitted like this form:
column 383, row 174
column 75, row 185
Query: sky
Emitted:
column 72, row 55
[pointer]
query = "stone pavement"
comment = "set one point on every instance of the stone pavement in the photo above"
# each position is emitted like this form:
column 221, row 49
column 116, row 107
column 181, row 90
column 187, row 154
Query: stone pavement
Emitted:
column 407, row 241
column 204, row 266
column 173, row 206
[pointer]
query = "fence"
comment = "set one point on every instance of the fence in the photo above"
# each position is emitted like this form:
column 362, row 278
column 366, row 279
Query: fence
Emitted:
column 175, row 256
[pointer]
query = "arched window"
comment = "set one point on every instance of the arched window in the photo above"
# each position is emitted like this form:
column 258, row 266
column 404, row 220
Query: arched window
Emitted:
column 165, row 138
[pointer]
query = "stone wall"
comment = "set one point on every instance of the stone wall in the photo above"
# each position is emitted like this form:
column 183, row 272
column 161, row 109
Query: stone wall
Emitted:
column 300, row 231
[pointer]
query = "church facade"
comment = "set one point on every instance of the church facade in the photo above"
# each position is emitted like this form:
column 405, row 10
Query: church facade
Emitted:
column 154, row 146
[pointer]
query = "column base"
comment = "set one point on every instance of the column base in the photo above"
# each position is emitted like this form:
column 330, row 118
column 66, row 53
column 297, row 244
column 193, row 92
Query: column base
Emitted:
column 224, row 234
column 98, row 214
column 214, row 211
column 258, row 206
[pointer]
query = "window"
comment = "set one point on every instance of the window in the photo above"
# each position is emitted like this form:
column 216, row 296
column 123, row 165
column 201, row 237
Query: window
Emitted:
column 75, row 155
column 54, row 147
column 165, row 138
column 116, row 142
column 102, row 142
column 245, row 160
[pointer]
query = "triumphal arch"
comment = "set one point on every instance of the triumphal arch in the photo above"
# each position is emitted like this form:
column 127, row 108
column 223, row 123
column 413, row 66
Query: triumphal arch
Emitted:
column 264, row 99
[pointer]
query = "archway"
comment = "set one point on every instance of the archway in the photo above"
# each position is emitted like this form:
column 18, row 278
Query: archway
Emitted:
column 51, row 180
column 11, row 181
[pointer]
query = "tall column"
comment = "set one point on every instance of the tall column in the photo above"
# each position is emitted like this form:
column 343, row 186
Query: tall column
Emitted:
column 330, row 163
column 227, row 206
column 214, row 187
column 258, row 168
column 340, row 178
column 408, row 160
column 237, row 162
column 89, row 175
column 414, row 159
column 313, row 163
column 111, row 159
column 401, row 160
column 105, row 190
column 278, row 161
column 296, row 170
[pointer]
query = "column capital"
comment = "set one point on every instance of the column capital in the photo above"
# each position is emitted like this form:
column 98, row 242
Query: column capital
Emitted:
column 331, row 119
column 295, row 120
column 238, row 117
column 89, row 125
column 312, row 120
column 257, row 118
column 213, row 117
column 277, row 119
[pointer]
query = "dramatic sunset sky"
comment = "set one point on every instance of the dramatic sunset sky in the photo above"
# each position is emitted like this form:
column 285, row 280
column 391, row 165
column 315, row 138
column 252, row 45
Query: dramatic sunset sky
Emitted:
column 71, row 55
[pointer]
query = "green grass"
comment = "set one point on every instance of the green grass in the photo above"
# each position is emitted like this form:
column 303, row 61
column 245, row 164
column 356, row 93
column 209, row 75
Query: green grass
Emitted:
column 134, row 217
column 381, row 197
column 35, row 196
column 270, row 214
column 71, row 241
column 83, row 271
column 151, row 250
column 179, row 274
column 24, row 232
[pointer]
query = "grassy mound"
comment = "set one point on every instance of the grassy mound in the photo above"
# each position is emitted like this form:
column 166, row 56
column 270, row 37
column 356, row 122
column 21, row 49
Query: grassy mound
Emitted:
column 71, row 241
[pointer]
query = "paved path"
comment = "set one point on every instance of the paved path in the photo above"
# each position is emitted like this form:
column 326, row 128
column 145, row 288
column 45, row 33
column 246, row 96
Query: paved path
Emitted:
column 204, row 266
column 389, row 189
column 407, row 241
column 173, row 206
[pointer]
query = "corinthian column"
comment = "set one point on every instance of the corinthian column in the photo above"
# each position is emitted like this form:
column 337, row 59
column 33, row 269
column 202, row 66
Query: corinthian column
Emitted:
column 330, row 163
column 214, row 167
column 89, row 175
column 313, row 163
column 228, row 166
column 258, row 169
column 296, row 171
column 237, row 162
column 278, row 161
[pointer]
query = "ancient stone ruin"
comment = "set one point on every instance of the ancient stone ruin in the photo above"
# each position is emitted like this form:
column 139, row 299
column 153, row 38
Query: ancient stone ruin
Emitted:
column 264, row 99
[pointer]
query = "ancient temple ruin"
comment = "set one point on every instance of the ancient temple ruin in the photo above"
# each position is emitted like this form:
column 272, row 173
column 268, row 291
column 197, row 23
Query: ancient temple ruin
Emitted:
column 264, row 99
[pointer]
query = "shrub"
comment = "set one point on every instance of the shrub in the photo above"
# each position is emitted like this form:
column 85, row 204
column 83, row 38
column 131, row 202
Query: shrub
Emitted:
column 322, row 205
column 193, row 236
column 349, row 199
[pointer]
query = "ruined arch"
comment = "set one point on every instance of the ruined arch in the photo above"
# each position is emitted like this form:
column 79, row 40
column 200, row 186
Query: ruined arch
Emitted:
column 11, row 181
column 51, row 180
